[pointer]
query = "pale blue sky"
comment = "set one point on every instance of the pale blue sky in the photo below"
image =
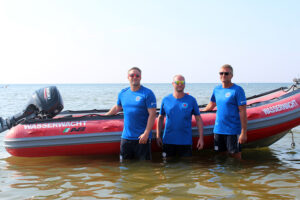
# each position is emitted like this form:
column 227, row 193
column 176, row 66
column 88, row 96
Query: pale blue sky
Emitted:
column 98, row 41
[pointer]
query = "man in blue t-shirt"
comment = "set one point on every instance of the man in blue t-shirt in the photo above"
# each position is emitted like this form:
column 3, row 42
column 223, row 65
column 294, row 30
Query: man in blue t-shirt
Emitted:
column 178, row 109
column 230, row 130
column 139, row 108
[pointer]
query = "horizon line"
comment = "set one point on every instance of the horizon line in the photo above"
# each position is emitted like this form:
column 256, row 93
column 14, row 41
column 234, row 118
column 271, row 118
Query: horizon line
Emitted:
column 6, row 84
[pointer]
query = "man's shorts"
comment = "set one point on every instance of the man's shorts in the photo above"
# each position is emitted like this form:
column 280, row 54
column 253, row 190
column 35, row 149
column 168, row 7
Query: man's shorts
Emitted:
column 131, row 149
column 228, row 143
column 172, row 150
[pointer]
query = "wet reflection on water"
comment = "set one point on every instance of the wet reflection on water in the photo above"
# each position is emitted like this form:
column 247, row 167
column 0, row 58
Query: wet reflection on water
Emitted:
column 63, row 177
column 260, row 175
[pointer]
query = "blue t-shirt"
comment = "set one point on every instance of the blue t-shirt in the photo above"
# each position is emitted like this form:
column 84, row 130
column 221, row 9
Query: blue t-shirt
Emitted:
column 178, row 127
column 135, row 107
column 228, row 101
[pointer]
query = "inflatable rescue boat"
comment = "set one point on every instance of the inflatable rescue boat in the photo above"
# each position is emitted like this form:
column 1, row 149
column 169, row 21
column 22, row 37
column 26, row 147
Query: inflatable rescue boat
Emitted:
column 43, row 130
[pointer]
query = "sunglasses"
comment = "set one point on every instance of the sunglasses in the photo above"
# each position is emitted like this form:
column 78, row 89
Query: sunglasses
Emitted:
column 224, row 73
column 179, row 82
column 134, row 75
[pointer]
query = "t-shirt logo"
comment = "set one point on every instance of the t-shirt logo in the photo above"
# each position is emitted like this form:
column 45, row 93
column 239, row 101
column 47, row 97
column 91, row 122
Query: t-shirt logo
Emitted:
column 227, row 94
column 184, row 105
column 138, row 98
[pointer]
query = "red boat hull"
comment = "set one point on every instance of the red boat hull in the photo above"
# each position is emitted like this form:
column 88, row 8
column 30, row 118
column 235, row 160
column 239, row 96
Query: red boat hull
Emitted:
column 270, row 117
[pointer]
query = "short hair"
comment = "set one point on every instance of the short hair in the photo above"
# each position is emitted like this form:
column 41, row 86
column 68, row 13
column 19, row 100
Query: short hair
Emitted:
column 228, row 67
column 135, row 68
column 177, row 76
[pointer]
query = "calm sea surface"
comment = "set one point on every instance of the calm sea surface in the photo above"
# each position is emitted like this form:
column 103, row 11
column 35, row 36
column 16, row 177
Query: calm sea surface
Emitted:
column 264, row 173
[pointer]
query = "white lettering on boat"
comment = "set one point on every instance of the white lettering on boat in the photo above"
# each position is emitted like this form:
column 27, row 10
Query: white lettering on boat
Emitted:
column 280, row 107
column 55, row 125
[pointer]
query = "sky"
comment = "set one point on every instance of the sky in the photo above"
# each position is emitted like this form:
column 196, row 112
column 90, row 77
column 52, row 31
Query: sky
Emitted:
column 97, row 41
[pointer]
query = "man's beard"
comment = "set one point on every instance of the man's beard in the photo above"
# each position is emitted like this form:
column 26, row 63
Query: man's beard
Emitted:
column 179, row 90
column 135, row 83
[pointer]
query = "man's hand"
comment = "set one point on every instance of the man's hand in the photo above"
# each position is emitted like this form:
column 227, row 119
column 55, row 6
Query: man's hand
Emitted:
column 159, row 142
column 200, row 144
column 243, row 138
column 143, row 138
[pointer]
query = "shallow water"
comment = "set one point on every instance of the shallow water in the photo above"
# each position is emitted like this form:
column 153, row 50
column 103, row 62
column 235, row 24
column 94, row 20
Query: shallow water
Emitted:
column 264, row 173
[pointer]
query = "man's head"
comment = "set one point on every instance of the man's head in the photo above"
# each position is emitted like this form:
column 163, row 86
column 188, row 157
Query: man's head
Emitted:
column 178, row 83
column 134, row 76
column 226, row 73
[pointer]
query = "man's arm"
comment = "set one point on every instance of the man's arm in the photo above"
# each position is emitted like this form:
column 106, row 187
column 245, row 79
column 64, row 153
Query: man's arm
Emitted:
column 114, row 110
column 210, row 106
column 199, row 123
column 243, row 117
column 160, row 122
column 151, row 119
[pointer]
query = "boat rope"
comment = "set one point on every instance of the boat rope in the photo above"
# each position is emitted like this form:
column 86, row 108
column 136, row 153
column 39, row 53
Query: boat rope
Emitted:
column 294, row 87
column 293, row 141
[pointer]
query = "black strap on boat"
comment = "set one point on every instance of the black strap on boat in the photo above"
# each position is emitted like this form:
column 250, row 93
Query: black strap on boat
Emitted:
column 266, row 93
column 66, row 112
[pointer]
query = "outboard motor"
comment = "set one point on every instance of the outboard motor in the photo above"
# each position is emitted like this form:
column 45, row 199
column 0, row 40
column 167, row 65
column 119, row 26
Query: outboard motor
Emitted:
column 45, row 103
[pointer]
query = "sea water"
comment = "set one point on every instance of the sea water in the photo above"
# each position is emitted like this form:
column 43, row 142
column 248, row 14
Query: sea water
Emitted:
column 264, row 173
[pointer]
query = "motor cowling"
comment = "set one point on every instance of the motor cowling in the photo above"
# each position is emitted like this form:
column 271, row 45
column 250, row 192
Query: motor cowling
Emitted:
column 47, row 101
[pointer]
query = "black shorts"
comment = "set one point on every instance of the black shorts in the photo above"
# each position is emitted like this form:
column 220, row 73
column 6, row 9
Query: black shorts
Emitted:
column 131, row 149
column 171, row 150
column 229, row 143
